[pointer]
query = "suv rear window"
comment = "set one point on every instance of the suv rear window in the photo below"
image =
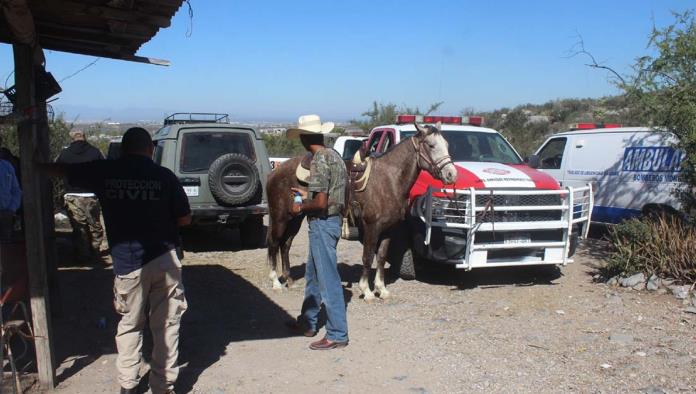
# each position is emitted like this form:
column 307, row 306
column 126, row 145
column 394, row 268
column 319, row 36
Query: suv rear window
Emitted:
column 350, row 148
column 199, row 150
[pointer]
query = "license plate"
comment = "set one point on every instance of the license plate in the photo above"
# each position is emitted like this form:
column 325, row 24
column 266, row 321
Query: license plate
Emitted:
column 518, row 238
column 191, row 191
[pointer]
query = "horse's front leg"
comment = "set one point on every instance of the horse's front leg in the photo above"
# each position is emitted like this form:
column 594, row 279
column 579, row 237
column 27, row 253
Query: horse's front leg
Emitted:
column 369, row 243
column 380, row 286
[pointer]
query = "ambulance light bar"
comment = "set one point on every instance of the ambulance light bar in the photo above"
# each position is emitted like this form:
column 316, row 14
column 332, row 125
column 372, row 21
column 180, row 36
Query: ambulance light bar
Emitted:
column 458, row 120
column 590, row 126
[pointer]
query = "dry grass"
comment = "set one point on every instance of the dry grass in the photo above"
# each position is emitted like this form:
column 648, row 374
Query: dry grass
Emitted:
column 665, row 246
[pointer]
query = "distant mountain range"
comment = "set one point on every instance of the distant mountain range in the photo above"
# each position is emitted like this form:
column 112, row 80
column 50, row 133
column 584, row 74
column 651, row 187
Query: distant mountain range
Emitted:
column 90, row 114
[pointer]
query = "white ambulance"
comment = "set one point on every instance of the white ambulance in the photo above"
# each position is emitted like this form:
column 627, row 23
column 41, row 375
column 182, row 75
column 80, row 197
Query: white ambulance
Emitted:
column 633, row 170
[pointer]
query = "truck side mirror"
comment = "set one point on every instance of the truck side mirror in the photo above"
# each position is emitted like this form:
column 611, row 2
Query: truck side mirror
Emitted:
column 532, row 161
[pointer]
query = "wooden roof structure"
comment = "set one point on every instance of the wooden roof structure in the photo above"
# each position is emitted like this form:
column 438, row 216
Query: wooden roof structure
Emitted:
column 106, row 28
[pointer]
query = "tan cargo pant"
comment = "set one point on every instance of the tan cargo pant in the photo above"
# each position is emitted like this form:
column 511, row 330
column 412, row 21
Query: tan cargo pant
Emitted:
column 156, row 285
column 88, row 233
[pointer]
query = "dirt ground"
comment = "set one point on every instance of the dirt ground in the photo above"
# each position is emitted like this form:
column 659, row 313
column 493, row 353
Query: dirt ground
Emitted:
column 497, row 330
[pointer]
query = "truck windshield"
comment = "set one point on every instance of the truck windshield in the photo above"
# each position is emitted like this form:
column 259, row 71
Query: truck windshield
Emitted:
column 475, row 146
column 199, row 150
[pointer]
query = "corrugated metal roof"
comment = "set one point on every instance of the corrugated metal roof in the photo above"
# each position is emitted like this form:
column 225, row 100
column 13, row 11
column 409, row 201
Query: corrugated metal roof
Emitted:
column 105, row 28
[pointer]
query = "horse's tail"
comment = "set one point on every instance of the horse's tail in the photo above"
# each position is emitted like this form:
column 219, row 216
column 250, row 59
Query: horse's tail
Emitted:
column 273, row 245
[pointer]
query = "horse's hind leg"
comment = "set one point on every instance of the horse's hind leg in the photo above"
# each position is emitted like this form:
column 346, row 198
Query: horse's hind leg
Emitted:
column 291, row 230
column 285, row 260
column 369, row 243
column 380, row 287
column 274, row 279
column 275, row 245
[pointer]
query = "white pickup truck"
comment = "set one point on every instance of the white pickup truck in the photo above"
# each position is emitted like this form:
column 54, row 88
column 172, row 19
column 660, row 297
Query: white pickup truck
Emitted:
column 500, row 212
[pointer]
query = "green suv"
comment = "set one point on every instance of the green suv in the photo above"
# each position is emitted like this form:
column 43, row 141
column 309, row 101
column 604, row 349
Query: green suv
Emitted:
column 222, row 167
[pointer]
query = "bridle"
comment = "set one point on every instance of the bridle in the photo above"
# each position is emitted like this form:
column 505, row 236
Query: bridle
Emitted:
column 435, row 166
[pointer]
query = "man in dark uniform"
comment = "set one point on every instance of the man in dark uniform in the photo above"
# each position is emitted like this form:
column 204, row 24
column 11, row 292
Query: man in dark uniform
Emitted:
column 144, row 205
column 81, row 204
column 323, row 206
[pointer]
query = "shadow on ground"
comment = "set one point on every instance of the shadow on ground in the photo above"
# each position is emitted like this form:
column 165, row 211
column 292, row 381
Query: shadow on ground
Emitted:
column 213, row 239
column 222, row 308
column 488, row 277
column 447, row 275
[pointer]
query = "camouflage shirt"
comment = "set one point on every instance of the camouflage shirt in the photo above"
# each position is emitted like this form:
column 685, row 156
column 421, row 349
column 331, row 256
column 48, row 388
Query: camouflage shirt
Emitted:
column 328, row 174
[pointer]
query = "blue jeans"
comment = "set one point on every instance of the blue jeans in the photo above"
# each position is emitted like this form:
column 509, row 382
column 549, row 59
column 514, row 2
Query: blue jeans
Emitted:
column 323, row 284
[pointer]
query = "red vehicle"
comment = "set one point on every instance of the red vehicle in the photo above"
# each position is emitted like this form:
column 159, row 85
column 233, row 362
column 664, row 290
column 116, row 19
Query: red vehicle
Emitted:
column 500, row 212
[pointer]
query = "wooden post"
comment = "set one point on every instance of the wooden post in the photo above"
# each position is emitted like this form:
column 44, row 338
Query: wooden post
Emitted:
column 33, row 216
column 44, row 140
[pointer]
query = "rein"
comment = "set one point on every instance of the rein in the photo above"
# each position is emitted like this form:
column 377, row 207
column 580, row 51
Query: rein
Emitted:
column 436, row 166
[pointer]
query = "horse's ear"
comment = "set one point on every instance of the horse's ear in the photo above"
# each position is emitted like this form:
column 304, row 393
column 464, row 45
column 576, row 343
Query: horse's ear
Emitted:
column 438, row 126
column 422, row 130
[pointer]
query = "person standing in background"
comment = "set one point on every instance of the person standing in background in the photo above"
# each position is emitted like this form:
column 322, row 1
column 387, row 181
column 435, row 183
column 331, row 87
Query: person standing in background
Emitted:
column 10, row 198
column 82, row 205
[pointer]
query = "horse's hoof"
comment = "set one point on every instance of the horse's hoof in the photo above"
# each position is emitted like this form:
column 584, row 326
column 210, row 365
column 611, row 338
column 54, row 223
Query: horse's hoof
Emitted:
column 384, row 294
column 368, row 297
column 277, row 286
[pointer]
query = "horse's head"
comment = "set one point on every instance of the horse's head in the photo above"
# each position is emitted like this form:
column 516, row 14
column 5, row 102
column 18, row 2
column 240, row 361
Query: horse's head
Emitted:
column 433, row 156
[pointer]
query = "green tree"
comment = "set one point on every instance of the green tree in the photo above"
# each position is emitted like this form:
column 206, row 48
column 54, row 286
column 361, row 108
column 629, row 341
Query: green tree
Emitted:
column 381, row 114
column 59, row 137
column 281, row 146
column 663, row 88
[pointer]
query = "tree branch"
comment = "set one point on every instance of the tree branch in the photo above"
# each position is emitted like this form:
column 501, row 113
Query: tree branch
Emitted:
column 579, row 50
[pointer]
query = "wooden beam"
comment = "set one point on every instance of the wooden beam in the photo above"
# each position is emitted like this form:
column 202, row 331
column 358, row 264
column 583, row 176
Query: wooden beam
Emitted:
column 93, row 50
column 137, row 33
column 33, row 219
column 44, row 146
column 43, row 7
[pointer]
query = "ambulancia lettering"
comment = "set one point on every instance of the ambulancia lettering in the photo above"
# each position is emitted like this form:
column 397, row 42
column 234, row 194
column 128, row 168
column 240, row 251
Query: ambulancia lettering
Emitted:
column 652, row 159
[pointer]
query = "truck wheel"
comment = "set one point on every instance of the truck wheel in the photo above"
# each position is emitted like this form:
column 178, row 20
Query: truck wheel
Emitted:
column 233, row 179
column 407, row 269
column 252, row 232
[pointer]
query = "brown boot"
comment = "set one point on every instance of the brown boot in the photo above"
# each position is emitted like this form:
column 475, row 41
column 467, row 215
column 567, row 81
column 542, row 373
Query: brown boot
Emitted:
column 326, row 344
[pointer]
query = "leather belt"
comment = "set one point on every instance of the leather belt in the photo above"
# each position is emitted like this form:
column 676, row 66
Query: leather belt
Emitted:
column 332, row 210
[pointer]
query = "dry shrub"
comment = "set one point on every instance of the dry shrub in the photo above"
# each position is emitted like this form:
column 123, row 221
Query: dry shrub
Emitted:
column 663, row 245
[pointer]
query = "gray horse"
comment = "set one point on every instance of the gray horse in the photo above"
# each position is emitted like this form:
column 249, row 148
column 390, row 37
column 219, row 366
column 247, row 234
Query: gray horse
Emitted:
column 382, row 205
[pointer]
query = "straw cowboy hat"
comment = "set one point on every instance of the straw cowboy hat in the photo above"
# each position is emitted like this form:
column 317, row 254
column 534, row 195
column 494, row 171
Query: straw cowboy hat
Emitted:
column 302, row 174
column 310, row 124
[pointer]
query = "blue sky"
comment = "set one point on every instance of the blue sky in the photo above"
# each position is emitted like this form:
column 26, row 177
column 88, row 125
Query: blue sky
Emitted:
column 278, row 59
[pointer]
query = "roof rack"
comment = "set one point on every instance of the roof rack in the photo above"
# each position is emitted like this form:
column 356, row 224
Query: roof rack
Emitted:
column 196, row 117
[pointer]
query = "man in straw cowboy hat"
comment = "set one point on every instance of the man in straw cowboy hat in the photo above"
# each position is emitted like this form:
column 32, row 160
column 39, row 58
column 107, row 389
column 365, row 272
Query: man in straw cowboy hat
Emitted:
column 323, row 204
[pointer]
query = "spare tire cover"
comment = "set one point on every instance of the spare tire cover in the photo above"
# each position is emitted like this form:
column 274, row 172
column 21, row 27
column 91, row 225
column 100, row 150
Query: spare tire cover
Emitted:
column 233, row 179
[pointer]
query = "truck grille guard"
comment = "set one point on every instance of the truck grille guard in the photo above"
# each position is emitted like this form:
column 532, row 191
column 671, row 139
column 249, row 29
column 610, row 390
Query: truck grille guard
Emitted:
column 502, row 212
